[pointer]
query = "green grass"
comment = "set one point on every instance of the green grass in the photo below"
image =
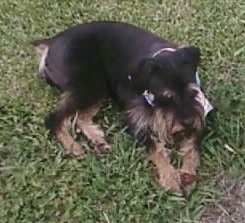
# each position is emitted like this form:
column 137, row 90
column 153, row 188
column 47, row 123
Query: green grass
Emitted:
column 37, row 184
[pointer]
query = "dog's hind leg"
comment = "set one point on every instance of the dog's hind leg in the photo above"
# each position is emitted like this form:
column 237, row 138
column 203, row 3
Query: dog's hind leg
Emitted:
column 190, row 160
column 92, row 131
column 169, row 177
column 58, row 120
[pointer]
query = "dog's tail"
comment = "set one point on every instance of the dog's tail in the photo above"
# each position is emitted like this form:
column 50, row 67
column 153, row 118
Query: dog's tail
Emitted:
column 39, row 42
column 42, row 46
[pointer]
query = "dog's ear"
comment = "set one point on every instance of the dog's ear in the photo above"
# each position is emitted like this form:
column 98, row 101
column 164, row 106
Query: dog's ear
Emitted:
column 192, row 55
column 41, row 46
column 142, row 74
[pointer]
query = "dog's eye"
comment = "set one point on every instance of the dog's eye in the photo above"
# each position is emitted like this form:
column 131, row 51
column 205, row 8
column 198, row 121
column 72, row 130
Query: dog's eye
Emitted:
column 168, row 94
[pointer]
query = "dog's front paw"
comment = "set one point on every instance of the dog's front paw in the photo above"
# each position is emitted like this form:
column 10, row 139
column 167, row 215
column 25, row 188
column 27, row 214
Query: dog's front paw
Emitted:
column 171, row 182
column 187, row 178
column 188, row 182
column 102, row 148
column 75, row 150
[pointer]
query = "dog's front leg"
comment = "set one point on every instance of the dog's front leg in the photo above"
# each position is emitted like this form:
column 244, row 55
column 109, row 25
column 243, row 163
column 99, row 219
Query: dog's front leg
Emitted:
column 91, row 130
column 169, row 177
column 190, row 160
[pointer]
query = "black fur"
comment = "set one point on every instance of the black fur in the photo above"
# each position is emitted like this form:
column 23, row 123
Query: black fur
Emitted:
column 98, row 60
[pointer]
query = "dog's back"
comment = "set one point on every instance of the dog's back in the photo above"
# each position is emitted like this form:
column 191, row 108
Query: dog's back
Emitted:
column 95, row 50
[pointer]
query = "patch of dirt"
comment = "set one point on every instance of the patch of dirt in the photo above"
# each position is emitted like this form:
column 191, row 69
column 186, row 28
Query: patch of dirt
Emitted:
column 231, row 206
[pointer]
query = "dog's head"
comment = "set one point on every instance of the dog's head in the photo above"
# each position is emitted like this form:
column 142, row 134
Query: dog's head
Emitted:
column 171, row 78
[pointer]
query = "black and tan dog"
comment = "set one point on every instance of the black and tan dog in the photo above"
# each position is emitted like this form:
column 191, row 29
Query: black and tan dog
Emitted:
column 153, row 81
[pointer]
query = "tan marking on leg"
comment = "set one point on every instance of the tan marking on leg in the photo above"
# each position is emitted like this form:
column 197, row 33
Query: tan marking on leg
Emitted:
column 190, row 160
column 70, row 145
column 91, row 130
column 169, row 177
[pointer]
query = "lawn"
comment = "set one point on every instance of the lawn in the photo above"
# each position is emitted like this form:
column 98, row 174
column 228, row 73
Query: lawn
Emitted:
column 39, row 184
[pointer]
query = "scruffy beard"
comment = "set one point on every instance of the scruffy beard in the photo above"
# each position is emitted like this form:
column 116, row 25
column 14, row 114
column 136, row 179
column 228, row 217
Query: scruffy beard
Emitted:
column 146, row 122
